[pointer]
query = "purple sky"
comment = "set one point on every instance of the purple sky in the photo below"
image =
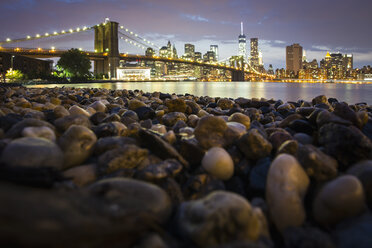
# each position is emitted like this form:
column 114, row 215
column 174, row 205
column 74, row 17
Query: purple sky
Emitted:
column 318, row 25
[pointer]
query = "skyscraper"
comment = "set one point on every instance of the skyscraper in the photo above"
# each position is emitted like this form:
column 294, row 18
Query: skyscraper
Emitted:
column 214, row 48
column 242, row 44
column 294, row 58
column 189, row 50
column 254, row 53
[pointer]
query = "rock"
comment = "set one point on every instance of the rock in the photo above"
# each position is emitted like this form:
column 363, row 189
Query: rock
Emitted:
column 219, row 218
column 77, row 144
column 325, row 117
column 127, row 157
column 254, row 146
column 301, row 126
column 16, row 130
column 82, row 175
column 342, row 110
column 98, row 106
column 111, row 118
column 126, row 195
column 210, row 132
column 76, row 110
column 278, row 138
column 176, row 105
column 241, row 118
column 109, row 143
column 356, row 232
column 97, row 118
column 159, row 128
column 159, row 147
column 258, row 177
column 225, row 103
column 41, row 132
column 317, row 164
column 360, row 168
column 286, row 187
column 171, row 119
column 198, row 186
column 339, row 199
column 9, row 120
column 367, row 129
column 234, row 131
column 64, row 123
column 191, row 151
column 135, row 104
column 145, row 113
column 320, row 99
column 305, row 237
column 303, row 138
column 195, row 108
column 165, row 169
column 110, row 129
column 289, row 147
column 358, row 146
column 32, row 152
column 170, row 137
column 218, row 163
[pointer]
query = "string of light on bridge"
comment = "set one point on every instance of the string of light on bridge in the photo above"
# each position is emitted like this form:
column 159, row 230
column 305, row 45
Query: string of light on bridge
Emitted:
column 139, row 37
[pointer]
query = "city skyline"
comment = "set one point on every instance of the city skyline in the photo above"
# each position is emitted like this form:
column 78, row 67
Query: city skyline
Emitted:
column 207, row 23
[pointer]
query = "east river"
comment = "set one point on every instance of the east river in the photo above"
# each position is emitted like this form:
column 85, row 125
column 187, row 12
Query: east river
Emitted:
column 350, row 93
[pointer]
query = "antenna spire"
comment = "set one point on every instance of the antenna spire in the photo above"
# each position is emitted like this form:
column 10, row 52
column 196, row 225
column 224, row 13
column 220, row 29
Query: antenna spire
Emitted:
column 241, row 28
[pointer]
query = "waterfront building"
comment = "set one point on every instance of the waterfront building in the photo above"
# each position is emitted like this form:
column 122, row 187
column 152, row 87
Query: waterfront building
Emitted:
column 254, row 58
column 293, row 59
column 189, row 51
column 214, row 48
column 149, row 52
column 337, row 65
column 209, row 56
column 133, row 73
column 242, row 44
column 198, row 56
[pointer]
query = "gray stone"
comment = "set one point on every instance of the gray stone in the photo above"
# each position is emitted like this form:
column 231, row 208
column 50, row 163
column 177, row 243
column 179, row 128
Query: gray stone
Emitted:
column 218, row 163
column 254, row 145
column 32, row 152
column 64, row 123
column 210, row 132
column 171, row 118
column 41, row 132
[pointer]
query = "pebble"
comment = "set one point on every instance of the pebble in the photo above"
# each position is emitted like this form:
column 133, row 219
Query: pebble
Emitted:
column 210, row 132
column 218, row 163
column 287, row 184
column 339, row 199
column 254, row 145
column 241, row 118
column 41, row 132
column 76, row 110
column 82, row 175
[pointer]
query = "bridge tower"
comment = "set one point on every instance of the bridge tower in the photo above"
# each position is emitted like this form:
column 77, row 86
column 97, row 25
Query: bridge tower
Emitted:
column 106, row 41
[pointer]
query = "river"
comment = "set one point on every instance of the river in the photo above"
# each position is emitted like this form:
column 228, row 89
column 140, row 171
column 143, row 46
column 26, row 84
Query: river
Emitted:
column 350, row 93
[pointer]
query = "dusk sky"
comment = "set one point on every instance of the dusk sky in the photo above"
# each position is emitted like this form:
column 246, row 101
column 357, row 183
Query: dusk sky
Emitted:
column 318, row 25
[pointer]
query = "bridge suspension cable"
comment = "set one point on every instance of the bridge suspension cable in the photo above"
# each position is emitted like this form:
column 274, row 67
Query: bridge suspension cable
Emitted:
column 46, row 35
column 133, row 41
column 139, row 37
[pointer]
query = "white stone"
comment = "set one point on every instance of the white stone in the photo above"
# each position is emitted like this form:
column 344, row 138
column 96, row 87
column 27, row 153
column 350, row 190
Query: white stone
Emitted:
column 218, row 163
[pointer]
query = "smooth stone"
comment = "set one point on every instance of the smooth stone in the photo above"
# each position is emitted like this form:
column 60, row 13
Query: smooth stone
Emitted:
column 252, row 113
column 325, row 117
column 306, row 237
column 320, row 99
column 218, row 163
column 111, row 118
column 145, row 113
column 98, row 106
column 171, row 119
column 9, row 120
column 258, row 177
column 301, row 126
column 160, row 128
column 82, row 175
column 286, row 187
column 225, row 103
column 234, row 131
column 77, row 144
column 192, row 120
column 129, row 196
column 198, row 186
column 131, row 114
column 135, row 104
column 345, row 112
column 127, row 157
column 317, row 164
column 191, row 151
column 76, row 110
column 303, row 138
column 360, row 168
column 159, row 147
column 64, row 123
column 195, row 108
column 176, row 105
column 170, row 137
column 112, row 142
column 278, row 138
column 219, row 218
column 358, row 146
column 339, row 199
column 114, row 128
column 241, row 118
column 210, row 132
column 32, row 152
column 254, row 145
column 16, row 130
column 41, row 132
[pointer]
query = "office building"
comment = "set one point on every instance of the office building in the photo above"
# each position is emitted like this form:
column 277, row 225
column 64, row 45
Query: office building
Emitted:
column 242, row 44
column 189, row 51
column 214, row 48
column 294, row 58
column 254, row 60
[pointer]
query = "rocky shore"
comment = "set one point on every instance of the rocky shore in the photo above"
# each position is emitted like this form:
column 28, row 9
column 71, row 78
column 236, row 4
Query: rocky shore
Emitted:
column 119, row 168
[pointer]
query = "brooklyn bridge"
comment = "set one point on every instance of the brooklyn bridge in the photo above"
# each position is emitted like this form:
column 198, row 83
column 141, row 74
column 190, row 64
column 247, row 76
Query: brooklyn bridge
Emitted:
column 107, row 57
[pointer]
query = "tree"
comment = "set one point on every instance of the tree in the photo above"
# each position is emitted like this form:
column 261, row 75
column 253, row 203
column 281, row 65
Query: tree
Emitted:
column 74, row 64
column 14, row 75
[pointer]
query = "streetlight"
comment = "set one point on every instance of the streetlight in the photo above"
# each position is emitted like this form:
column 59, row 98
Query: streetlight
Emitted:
column 12, row 61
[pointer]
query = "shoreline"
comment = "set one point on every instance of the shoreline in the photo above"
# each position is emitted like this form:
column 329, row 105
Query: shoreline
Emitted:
column 127, row 167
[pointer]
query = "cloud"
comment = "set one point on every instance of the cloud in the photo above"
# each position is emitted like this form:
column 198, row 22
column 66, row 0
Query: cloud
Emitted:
column 195, row 18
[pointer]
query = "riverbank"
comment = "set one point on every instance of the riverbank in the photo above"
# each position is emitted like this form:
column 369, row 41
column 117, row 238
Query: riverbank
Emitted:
column 84, row 167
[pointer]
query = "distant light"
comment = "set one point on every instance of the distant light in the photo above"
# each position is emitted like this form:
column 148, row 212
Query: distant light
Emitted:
column 126, row 30
column 126, row 40
column 85, row 28
column 80, row 49
column 71, row 31
column 55, row 33
column 107, row 49
column 122, row 27
column 63, row 31
column 144, row 39
column 131, row 32
column 95, row 50
column 38, row 36
column 28, row 37
column 53, row 48
column 136, row 35
column 8, row 40
column 46, row 34
column 39, row 49
column 78, row 29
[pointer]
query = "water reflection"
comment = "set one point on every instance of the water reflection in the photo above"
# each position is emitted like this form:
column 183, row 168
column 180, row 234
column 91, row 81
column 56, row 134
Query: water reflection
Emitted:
column 351, row 93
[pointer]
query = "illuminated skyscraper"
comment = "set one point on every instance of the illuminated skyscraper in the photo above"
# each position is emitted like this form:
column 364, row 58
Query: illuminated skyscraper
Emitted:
column 214, row 48
column 189, row 50
column 294, row 58
column 254, row 53
column 242, row 44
